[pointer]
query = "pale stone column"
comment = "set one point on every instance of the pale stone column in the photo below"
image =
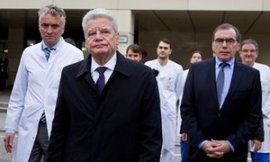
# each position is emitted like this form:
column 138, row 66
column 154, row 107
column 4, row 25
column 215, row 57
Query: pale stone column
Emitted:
column 125, row 20
column 15, row 42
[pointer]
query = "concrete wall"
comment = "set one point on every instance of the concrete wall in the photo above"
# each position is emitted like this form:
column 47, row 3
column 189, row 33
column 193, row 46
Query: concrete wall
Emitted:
column 231, row 5
column 183, row 42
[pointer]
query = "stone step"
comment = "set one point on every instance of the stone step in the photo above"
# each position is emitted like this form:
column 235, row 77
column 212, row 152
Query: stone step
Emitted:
column 3, row 104
column 3, row 107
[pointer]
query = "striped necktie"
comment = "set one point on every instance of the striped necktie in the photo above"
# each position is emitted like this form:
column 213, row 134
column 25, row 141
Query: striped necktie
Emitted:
column 47, row 52
column 43, row 118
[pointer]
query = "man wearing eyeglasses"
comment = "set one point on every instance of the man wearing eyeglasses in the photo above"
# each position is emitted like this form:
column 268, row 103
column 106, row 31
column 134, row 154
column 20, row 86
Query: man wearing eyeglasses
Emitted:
column 33, row 98
column 221, row 105
column 249, row 52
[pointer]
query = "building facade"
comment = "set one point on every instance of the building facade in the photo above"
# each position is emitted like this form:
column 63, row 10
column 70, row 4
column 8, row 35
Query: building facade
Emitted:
column 188, row 23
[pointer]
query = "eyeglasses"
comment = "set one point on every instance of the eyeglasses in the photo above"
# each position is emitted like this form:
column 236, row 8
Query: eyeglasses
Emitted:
column 228, row 41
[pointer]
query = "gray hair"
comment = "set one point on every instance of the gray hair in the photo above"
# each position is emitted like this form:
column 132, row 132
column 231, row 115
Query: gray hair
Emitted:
column 97, row 13
column 250, row 41
column 54, row 11
column 228, row 26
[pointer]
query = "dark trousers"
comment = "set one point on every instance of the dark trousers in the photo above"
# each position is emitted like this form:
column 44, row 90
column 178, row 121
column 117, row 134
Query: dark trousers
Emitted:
column 41, row 144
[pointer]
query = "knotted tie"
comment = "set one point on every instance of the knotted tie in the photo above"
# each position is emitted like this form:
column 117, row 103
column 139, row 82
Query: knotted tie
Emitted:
column 220, row 81
column 100, row 84
column 48, row 52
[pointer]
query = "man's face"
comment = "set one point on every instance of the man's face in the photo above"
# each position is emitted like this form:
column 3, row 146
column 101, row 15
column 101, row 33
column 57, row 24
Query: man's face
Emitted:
column 248, row 54
column 133, row 56
column 51, row 29
column 163, row 50
column 196, row 57
column 225, row 44
column 101, row 38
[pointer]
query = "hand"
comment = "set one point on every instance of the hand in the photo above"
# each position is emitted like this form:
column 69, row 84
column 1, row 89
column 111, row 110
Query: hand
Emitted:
column 256, row 144
column 216, row 148
column 222, row 147
column 8, row 141
column 216, row 155
column 209, row 148
column 184, row 136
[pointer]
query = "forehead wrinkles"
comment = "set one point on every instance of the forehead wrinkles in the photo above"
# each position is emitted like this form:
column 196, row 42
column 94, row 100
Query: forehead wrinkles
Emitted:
column 99, row 22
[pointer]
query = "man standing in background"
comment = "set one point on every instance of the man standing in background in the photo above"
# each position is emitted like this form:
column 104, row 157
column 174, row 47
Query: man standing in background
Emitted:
column 33, row 98
column 249, row 51
column 169, row 83
column 134, row 52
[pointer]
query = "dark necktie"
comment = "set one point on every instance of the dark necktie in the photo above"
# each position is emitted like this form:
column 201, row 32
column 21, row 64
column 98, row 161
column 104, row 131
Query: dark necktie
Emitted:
column 100, row 84
column 220, row 81
column 43, row 118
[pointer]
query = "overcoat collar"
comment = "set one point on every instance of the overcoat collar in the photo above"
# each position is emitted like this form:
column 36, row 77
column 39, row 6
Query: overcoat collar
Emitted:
column 121, row 65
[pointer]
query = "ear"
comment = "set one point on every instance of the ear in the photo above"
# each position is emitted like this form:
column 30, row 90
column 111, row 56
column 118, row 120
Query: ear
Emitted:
column 213, row 46
column 256, row 55
column 238, row 47
column 117, row 38
column 63, row 30
column 170, row 52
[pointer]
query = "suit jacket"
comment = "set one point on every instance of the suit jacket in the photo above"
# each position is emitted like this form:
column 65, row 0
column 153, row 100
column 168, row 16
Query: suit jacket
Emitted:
column 235, row 121
column 123, row 124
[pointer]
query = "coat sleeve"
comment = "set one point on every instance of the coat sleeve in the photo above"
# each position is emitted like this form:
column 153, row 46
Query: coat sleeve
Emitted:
column 17, row 98
column 266, row 104
column 60, row 126
column 150, row 123
column 252, row 128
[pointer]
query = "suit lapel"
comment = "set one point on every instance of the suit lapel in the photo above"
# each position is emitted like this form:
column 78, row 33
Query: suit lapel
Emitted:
column 236, row 80
column 212, row 81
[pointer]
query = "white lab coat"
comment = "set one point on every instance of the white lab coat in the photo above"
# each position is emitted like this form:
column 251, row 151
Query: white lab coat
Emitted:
column 265, row 82
column 169, row 83
column 179, row 119
column 35, row 90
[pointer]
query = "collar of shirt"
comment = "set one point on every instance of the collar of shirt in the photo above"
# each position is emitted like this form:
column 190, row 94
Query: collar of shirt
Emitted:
column 110, row 65
column 230, row 62
column 55, row 47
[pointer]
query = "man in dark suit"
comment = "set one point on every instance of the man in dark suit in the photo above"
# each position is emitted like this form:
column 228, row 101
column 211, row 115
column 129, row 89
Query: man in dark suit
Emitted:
column 219, row 120
column 120, row 122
